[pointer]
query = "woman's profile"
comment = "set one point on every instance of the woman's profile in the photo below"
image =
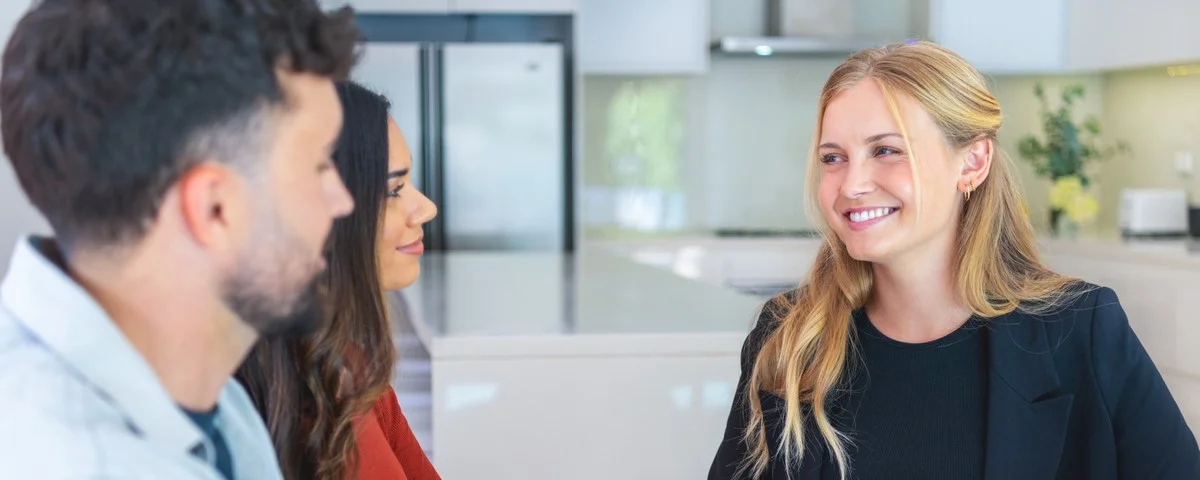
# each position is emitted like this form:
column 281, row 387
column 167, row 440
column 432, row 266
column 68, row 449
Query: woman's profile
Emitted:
column 327, row 398
column 929, row 339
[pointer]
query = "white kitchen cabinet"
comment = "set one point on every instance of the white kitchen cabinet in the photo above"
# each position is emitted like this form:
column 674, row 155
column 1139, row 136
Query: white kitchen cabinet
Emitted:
column 514, row 6
column 1049, row 36
column 1114, row 34
column 399, row 6
column 1016, row 36
column 643, row 37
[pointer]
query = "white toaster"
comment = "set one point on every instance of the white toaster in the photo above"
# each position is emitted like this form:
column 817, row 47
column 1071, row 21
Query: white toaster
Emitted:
column 1153, row 212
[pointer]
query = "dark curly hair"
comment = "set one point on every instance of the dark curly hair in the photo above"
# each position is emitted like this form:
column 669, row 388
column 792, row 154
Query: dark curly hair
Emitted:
column 107, row 102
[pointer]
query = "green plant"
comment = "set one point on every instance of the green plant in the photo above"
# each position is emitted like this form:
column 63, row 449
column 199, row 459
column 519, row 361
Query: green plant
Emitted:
column 1068, row 147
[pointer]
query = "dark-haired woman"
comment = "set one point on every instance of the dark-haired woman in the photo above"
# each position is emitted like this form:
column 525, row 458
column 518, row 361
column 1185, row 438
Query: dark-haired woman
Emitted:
column 327, row 398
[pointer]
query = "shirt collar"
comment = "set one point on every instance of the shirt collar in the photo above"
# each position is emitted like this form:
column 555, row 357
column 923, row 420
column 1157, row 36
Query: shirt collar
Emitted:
column 71, row 324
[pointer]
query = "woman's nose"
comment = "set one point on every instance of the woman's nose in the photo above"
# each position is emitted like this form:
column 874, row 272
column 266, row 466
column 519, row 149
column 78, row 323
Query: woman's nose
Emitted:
column 423, row 211
column 859, row 180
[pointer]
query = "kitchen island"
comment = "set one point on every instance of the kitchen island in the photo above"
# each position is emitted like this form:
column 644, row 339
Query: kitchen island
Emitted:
column 620, row 361
column 584, row 366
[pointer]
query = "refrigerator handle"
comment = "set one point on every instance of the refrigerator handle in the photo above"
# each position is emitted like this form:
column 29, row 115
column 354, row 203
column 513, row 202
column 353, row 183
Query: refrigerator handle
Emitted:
column 432, row 141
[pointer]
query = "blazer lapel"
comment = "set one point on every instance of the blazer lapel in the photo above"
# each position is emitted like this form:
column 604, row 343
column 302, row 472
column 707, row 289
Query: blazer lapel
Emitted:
column 1027, row 411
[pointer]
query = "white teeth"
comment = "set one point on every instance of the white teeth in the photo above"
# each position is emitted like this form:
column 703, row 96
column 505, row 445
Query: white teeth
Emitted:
column 865, row 215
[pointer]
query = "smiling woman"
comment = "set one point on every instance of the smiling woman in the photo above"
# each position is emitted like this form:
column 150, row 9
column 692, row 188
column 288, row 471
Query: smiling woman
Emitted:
column 327, row 398
column 929, row 340
column 868, row 139
column 407, row 209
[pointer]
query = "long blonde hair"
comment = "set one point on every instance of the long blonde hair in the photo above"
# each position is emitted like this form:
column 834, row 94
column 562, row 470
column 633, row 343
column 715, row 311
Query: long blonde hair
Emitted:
column 996, row 261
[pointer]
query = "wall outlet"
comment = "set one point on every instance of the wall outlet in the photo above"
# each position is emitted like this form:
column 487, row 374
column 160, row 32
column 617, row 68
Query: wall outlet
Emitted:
column 1184, row 163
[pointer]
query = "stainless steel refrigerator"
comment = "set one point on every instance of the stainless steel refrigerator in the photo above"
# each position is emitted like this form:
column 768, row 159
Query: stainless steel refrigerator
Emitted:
column 487, row 125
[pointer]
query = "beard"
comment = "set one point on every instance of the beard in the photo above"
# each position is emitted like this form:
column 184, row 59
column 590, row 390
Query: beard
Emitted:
column 272, row 316
column 276, row 291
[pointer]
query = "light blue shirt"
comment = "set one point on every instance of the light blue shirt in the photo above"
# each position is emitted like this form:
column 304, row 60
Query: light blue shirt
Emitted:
column 78, row 402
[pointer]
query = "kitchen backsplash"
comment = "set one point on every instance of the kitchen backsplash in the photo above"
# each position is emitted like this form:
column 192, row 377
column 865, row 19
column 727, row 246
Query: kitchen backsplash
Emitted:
column 1021, row 117
column 742, row 133
column 1159, row 115
column 728, row 149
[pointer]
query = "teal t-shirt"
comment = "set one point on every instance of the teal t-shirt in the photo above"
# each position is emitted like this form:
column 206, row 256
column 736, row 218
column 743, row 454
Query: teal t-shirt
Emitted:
column 207, row 421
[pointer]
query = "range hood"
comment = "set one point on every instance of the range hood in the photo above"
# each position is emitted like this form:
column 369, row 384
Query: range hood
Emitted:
column 794, row 45
column 832, row 38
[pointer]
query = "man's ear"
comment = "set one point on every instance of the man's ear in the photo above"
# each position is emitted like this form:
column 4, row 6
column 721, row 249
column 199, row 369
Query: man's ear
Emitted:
column 976, row 164
column 210, row 204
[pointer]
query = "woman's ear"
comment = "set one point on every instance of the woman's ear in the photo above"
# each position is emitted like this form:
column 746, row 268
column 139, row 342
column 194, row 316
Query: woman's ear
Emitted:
column 977, row 162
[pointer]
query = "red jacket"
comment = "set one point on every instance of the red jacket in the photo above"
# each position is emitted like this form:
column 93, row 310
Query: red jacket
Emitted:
column 387, row 448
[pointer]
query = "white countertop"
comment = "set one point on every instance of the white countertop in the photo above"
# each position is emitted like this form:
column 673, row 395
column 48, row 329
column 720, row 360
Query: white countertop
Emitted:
column 1178, row 253
column 639, row 297
column 757, row 251
column 591, row 302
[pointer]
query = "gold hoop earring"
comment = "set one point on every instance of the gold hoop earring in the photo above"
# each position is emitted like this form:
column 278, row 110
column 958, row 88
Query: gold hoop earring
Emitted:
column 967, row 192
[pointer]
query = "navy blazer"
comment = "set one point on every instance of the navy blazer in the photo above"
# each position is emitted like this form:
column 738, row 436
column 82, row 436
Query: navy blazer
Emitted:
column 1071, row 395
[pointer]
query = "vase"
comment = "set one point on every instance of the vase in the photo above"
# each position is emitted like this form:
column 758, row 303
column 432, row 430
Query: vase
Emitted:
column 1061, row 225
column 1055, row 215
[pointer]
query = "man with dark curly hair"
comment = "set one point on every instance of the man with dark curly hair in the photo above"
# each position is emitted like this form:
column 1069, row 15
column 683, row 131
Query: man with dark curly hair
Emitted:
column 180, row 149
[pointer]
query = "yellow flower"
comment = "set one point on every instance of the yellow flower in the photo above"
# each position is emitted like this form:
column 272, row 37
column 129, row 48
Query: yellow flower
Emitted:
column 1083, row 208
column 1064, row 192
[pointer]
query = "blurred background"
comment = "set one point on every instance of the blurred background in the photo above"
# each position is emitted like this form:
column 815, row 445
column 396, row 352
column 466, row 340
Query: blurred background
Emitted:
column 622, row 184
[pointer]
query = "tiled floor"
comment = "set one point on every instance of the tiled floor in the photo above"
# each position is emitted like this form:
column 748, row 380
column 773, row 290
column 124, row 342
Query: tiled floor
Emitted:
column 411, row 378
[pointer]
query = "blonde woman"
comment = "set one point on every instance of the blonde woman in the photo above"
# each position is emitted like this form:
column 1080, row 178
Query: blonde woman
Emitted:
column 930, row 341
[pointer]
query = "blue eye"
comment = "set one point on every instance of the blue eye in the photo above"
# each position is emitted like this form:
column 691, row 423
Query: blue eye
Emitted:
column 830, row 159
column 881, row 151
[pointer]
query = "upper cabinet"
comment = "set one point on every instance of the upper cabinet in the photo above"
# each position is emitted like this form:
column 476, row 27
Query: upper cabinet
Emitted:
column 1052, row 36
column 643, row 37
column 460, row 6
column 1113, row 34
column 672, row 37
column 1015, row 36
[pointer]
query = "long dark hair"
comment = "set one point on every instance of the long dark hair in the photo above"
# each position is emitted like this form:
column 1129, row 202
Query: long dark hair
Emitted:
column 310, row 390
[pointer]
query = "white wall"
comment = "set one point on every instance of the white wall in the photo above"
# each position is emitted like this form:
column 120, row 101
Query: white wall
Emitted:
column 17, row 216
